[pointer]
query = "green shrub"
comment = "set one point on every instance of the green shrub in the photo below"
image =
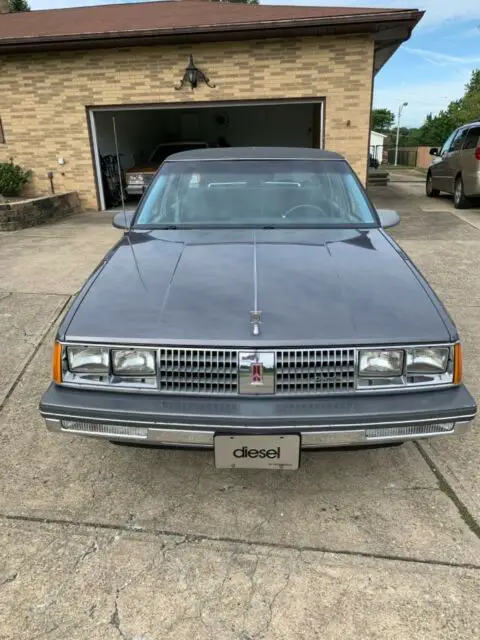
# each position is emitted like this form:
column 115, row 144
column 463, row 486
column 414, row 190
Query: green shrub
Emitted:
column 12, row 178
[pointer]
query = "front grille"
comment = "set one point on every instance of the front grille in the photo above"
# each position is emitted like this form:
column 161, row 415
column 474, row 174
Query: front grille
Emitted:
column 198, row 370
column 297, row 371
column 315, row 371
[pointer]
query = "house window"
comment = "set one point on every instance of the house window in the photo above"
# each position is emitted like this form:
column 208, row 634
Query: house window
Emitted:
column 2, row 136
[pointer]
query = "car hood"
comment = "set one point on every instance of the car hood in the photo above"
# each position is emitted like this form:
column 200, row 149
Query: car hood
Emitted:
column 322, row 287
column 152, row 167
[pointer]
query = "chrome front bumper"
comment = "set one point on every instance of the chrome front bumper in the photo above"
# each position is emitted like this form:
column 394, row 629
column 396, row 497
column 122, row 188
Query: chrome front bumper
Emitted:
column 202, row 436
column 135, row 189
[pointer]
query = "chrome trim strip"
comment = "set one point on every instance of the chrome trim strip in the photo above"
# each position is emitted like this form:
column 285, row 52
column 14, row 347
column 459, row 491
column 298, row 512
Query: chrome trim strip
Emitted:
column 54, row 416
column 240, row 345
column 232, row 396
column 310, row 440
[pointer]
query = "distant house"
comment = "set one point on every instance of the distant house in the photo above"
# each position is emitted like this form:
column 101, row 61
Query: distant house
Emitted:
column 376, row 145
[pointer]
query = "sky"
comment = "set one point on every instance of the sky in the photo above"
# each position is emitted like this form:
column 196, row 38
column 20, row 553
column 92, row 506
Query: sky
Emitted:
column 428, row 71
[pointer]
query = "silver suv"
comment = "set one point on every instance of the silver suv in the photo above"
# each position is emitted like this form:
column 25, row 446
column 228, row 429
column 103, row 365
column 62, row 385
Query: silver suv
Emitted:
column 456, row 166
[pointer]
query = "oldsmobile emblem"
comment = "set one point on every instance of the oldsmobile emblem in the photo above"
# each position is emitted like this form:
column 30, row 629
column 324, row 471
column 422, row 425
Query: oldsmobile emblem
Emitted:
column 256, row 372
column 256, row 369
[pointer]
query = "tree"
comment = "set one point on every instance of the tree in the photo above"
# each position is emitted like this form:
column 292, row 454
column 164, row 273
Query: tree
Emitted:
column 468, row 108
column 16, row 6
column 382, row 120
column 436, row 129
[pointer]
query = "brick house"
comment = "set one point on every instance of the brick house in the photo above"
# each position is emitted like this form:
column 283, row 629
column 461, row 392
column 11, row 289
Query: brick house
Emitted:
column 281, row 75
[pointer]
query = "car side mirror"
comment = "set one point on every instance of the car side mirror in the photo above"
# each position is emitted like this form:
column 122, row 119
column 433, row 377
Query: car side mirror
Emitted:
column 433, row 151
column 123, row 220
column 388, row 218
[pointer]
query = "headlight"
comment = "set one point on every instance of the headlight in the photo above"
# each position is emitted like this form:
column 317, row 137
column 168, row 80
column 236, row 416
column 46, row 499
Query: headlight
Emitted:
column 383, row 363
column 135, row 178
column 133, row 362
column 88, row 359
column 427, row 360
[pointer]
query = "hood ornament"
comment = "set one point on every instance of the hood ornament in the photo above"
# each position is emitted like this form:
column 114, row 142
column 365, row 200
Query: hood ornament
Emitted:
column 256, row 321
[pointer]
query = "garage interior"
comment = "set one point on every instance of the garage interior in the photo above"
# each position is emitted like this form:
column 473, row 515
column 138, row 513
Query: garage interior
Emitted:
column 141, row 129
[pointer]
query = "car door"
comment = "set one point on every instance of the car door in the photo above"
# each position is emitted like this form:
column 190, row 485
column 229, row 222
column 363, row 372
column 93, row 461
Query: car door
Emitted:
column 469, row 162
column 453, row 159
column 450, row 160
column 439, row 164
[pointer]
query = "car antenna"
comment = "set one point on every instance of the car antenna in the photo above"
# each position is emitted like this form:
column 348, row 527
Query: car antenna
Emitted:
column 119, row 169
column 122, row 196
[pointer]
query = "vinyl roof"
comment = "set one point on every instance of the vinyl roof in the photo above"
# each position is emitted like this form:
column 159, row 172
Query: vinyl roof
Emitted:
column 254, row 153
column 169, row 18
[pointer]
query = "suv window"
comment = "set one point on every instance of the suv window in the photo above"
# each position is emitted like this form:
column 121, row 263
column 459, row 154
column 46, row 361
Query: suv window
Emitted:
column 472, row 138
column 459, row 139
column 448, row 142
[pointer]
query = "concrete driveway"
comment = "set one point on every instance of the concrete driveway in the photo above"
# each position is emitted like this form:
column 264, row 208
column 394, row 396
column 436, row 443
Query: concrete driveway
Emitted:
column 105, row 542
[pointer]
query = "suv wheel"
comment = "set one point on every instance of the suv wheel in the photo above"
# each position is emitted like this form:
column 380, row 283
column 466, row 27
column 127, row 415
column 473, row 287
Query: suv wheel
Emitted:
column 431, row 192
column 460, row 200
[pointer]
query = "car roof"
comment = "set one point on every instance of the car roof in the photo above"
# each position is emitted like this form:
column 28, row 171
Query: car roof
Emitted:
column 254, row 153
column 474, row 123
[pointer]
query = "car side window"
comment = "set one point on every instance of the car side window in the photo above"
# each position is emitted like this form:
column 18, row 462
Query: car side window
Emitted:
column 448, row 143
column 472, row 139
column 459, row 139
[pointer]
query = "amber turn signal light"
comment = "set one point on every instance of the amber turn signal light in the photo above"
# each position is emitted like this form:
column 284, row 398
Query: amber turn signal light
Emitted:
column 457, row 364
column 57, row 363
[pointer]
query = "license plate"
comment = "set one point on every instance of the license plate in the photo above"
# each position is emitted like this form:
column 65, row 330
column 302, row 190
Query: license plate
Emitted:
column 257, row 452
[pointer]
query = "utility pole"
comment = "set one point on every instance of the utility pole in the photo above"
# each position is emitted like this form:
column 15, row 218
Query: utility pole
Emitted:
column 400, row 108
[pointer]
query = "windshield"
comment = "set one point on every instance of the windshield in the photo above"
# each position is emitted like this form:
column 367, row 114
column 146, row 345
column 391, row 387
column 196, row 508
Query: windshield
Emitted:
column 255, row 193
column 165, row 150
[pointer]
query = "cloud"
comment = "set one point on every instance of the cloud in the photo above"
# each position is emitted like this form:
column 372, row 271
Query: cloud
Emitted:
column 474, row 32
column 443, row 59
column 464, row 34
column 424, row 98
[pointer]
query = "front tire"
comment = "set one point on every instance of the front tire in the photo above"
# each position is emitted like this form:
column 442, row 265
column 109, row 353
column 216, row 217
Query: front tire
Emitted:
column 460, row 200
column 431, row 192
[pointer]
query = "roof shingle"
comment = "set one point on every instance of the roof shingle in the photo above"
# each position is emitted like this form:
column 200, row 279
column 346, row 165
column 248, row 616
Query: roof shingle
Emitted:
column 168, row 15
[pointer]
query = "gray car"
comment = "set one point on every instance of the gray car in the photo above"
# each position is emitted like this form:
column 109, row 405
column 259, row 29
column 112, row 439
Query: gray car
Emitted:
column 256, row 306
column 456, row 166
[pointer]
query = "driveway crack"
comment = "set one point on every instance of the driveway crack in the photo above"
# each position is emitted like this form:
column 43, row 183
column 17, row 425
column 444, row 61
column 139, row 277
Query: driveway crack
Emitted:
column 199, row 538
column 448, row 490
column 115, row 618
column 9, row 579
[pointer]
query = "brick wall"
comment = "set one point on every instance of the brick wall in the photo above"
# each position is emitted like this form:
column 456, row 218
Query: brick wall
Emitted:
column 44, row 95
column 30, row 213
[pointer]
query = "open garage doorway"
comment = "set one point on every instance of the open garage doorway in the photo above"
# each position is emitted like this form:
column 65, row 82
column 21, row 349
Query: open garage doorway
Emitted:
column 142, row 129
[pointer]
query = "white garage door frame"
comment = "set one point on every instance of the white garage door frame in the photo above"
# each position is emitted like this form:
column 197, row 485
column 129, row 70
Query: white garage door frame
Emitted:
column 91, row 111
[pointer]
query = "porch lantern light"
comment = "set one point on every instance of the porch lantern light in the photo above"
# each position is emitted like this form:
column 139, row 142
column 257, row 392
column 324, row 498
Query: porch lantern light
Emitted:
column 193, row 75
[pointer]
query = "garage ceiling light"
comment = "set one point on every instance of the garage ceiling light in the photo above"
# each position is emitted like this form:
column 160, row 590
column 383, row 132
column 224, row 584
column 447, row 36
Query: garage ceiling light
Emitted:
column 193, row 75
